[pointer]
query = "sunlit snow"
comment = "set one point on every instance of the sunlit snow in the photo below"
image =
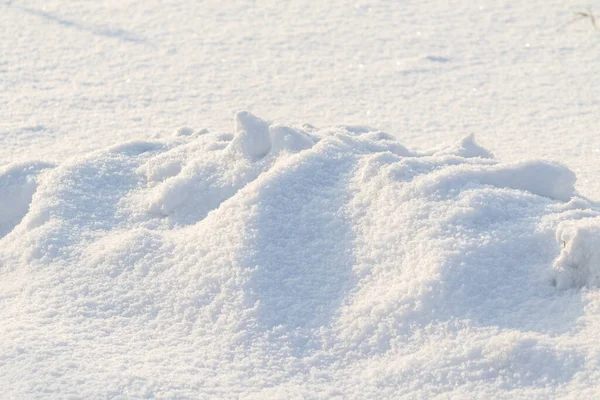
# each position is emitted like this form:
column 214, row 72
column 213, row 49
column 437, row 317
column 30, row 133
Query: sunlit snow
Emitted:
column 276, row 261
column 299, row 199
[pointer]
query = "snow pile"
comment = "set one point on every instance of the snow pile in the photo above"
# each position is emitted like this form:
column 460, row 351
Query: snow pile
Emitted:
column 281, row 262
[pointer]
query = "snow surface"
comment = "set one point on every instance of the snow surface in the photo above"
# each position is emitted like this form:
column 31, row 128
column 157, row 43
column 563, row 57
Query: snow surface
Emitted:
column 148, row 249
column 281, row 262
column 77, row 76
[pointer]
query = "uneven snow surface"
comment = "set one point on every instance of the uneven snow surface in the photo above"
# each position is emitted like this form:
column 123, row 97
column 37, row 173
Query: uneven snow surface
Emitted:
column 77, row 76
column 281, row 262
column 149, row 248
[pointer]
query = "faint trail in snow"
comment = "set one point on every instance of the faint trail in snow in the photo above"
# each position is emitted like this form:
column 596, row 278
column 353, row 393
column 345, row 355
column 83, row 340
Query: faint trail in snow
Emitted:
column 110, row 32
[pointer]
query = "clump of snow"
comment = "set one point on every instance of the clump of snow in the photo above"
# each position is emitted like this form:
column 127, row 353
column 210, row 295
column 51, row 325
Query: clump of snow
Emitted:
column 284, row 138
column 275, row 262
column 579, row 262
column 252, row 135
column 184, row 131
column 467, row 148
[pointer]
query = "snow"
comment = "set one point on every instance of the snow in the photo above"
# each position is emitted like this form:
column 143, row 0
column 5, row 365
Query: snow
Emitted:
column 80, row 76
column 403, row 207
column 17, row 186
column 279, row 262
column 579, row 262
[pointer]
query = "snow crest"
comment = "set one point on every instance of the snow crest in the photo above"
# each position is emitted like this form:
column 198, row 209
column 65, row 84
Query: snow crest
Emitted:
column 275, row 262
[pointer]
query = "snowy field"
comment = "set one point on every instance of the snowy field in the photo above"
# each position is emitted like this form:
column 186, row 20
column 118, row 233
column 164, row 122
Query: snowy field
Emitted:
column 408, row 209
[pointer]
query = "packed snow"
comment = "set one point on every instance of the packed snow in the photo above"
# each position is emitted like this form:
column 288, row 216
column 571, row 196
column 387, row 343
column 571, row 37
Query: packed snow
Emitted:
column 285, row 262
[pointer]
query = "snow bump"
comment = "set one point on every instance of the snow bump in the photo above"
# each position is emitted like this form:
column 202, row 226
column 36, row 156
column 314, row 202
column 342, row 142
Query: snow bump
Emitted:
column 578, row 264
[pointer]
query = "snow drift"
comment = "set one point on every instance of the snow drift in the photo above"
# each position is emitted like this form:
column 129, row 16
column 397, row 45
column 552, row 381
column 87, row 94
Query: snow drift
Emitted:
column 280, row 262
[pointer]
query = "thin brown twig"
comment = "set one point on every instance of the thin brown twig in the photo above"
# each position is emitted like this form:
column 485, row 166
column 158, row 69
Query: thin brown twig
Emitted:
column 579, row 15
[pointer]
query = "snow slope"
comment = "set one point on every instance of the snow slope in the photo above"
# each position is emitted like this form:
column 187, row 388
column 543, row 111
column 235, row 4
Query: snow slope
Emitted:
column 282, row 262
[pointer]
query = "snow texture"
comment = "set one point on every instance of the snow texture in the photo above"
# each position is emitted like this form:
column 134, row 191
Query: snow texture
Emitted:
column 17, row 186
column 579, row 262
column 522, row 75
column 287, row 262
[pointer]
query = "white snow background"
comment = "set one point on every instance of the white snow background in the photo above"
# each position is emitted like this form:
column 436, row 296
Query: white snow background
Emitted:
column 360, row 243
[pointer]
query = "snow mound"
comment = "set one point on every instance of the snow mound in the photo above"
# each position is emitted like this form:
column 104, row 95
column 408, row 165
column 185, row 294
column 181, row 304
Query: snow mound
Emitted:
column 275, row 262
